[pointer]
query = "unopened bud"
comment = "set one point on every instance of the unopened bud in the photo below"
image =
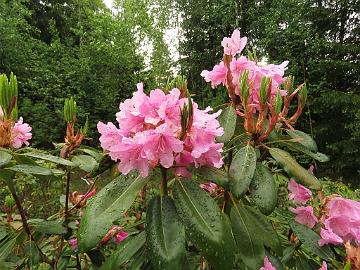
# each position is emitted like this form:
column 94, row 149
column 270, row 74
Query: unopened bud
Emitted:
column 278, row 102
column 9, row 201
column 69, row 110
column 303, row 94
column 289, row 84
column 265, row 81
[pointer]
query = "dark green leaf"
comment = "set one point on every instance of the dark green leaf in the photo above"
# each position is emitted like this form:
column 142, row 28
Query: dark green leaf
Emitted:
column 227, row 120
column 215, row 175
column 250, row 244
column 264, row 228
column 165, row 234
column 54, row 159
column 106, row 207
column 303, row 139
column 204, row 225
column 289, row 164
column 6, row 247
column 30, row 169
column 310, row 240
column 263, row 190
column 85, row 163
column 242, row 170
column 5, row 158
column 48, row 226
column 300, row 148
column 124, row 252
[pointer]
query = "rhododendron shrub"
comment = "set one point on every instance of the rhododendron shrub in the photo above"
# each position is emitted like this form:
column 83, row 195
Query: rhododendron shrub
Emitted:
column 176, row 186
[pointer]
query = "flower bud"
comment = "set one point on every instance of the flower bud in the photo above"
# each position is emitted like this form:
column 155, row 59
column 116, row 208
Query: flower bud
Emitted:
column 289, row 84
column 244, row 88
column 69, row 110
column 278, row 102
column 303, row 94
column 8, row 96
column 264, row 85
column 9, row 201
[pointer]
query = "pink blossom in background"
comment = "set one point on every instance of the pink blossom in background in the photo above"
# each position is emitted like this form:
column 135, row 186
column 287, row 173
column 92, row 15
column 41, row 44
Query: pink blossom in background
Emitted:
column 209, row 187
column 341, row 221
column 149, row 134
column 305, row 215
column 323, row 266
column 267, row 265
column 73, row 244
column 20, row 134
column 235, row 44
column 298, row 193
column 121, row 236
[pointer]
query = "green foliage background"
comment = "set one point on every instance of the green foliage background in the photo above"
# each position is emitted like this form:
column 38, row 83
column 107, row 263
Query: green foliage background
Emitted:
column 62, row 48
column 320, row 38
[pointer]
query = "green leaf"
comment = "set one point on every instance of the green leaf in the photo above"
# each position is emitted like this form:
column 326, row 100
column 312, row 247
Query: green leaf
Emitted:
column 289, row 164
column 347, row 266
column 124, row 252
column 30, row 169
column 107, row 206
column 300, row 148
column 5, row 158
column 204, row 225
column 227, row 120
column 264, row 229
column 165, row 234
column 250, row 245
column 303, row 139
column 48, row 226
column 310, row 240
column 54, row 159
column 263, row 190
column 85, row 163
column 6, row 247
column 215, row 175
column 92, row 152
column 242, row 170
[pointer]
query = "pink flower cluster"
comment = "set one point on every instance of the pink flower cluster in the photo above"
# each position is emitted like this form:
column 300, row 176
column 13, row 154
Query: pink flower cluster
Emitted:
column 149, row 134
column 341, row 222
column 269, row 266
column 301, row 195
column 232, row 47
column 19, row 133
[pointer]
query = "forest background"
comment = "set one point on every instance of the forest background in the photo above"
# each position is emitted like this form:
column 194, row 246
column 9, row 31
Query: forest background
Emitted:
column 81, row 48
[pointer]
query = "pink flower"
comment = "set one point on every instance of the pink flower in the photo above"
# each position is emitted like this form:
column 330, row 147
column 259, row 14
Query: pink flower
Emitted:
column 235, row 44
column 149, row 134
column 209, row 187
column 329, row 237
column 121, row 236
column 298, row 193
column 20, row 134
column 267, row 265
column 216, row 76
column 323, row 266
column 341, row 222
column 305, row 215
column 73, row 244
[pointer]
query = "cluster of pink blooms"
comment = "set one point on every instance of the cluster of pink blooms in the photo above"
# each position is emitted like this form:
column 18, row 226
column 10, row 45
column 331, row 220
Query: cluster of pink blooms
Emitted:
column 234, row 46
column 149, row 134
column 15, row 135
column 340, row 220
column 269, row 266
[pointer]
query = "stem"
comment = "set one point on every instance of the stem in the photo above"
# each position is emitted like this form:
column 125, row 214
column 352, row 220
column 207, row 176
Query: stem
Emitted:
column 163, row 185
column 24, row 222
column 67, row 196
